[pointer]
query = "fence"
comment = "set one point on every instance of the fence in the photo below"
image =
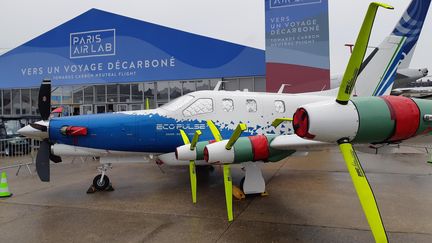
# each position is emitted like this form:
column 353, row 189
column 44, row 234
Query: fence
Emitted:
column 17, row 152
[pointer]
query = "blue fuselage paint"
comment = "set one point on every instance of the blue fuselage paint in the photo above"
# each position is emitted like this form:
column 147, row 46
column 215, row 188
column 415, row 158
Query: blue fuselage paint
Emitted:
column 150, row 133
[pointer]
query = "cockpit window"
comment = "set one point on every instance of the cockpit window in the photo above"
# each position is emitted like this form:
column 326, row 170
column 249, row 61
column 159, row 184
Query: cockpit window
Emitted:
column 228, row 105
column 177, row 103
column 279, row 106
column 200, row 106
column 251, row 105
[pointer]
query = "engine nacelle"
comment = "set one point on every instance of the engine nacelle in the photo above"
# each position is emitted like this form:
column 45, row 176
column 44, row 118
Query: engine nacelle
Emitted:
column 185, row 153
column 364, row 119
column 253, row 148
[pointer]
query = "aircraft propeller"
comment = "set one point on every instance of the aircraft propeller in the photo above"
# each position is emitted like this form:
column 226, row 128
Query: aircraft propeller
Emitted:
column 358, row 176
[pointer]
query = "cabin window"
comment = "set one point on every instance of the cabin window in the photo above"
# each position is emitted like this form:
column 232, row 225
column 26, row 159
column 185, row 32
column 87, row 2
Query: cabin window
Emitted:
column 200, row 106
column 279, row 106
column 228, row 105
column 251, row 105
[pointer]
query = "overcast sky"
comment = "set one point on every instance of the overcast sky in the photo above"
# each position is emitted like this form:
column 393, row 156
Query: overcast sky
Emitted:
column 238, row 21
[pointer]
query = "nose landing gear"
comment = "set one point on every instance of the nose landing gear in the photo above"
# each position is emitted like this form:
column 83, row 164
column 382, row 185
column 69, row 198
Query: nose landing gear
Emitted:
column 101, row 182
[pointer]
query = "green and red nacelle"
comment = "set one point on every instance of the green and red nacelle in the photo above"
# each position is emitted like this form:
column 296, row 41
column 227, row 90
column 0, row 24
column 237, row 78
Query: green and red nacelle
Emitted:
column 251, row 148
column 385, row 119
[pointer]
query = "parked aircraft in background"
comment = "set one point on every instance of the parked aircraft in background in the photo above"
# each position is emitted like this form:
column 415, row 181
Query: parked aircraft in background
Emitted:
column 410, row 26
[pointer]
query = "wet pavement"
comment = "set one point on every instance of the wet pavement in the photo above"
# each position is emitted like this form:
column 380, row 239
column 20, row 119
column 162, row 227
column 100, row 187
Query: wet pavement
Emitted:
column 311, row 199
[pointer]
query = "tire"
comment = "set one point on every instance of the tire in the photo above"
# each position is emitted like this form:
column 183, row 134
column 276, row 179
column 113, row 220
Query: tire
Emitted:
column 101, row 186
column 242, row 183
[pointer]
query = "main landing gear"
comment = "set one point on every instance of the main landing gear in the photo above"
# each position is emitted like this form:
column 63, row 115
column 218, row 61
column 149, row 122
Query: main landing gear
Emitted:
column 101, row 182
column 253, row 183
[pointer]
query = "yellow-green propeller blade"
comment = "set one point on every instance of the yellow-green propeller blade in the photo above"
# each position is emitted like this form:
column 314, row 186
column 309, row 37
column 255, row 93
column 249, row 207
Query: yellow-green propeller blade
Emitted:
column 147, row 104
column 228, row 191
column 214, row 130
column 192, row 169
column 226, row 173
column 184, row 137
column 356, row 59
column 364, row 192
column 237, row 133
column 279, row 121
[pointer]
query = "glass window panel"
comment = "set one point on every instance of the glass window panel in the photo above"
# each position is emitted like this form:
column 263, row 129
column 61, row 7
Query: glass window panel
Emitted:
column 56, row 95
column 251, row 105
column 67, row 95
column 112, row 95
column 7, row 102
column 175, row 89
column 228, row 105
column 1, row 102
column 200, row 106
column 231, row 84
column 100, row 93
column 259, row 84
column 34, row 101
column 137, row 92
column 78, row 95
column 149, row 94
column 25, row 101
column 202, row 84
column 246, row 83
column 89, row 95
column 16, row 102
column 188, row 86
column 124, row 92
column 162, row 92
column 279, row 106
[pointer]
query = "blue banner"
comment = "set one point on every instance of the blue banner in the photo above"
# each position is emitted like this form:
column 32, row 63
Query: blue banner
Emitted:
column 102, row 47
column 297, row 45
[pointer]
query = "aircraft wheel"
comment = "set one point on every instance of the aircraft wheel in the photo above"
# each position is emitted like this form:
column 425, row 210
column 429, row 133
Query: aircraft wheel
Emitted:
column 242, row 183
column 101, row 186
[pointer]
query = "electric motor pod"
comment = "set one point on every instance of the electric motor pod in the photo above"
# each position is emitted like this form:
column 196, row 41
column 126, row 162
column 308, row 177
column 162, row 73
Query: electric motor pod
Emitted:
column 375, row 120
column 185, row 153
column 252, row 148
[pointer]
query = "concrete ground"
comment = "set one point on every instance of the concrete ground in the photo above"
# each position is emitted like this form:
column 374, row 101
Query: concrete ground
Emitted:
column 311, row 199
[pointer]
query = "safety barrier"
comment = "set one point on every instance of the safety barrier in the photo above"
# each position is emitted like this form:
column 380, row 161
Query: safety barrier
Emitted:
column 17, row 152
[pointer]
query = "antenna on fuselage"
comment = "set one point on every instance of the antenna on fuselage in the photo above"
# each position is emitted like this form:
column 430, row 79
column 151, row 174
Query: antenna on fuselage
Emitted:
column 282, row 87
column 218, row 85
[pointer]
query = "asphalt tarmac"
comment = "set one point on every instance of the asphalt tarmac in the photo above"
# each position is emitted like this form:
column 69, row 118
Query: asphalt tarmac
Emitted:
column 311, row 199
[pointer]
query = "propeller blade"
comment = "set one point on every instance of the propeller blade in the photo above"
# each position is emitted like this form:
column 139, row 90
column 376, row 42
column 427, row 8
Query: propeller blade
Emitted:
column 357, row 56
column 364, row 192
column 228, row 191
column 192, row 169
column 214, row 130
column 195, row 139
column 184, row 137
column 43, row 161
column 44, row 99
column 193, row 180
column 237, row 133
column 39, row 127
column 55, row 158
column 278, row 121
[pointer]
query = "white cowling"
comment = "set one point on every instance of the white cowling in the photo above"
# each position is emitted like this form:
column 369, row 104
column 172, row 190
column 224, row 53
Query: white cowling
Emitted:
column 185, row 153
column 330, row 121
column 217, row 153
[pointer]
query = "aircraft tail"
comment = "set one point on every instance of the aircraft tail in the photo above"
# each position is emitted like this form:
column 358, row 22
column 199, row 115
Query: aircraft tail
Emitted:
column 396, row 50
column 410, row 26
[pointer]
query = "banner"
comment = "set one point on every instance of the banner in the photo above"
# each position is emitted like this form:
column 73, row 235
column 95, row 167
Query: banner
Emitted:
column 297, row 45
column 102, row 47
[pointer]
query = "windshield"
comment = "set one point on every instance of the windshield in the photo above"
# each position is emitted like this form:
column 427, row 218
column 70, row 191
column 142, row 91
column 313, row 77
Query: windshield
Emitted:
column 177, row 103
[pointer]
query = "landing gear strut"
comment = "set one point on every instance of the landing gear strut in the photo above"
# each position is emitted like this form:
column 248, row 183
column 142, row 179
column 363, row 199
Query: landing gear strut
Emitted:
column 101, row 182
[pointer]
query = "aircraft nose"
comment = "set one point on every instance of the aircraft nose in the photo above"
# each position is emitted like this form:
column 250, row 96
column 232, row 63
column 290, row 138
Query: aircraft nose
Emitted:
column 31, row 132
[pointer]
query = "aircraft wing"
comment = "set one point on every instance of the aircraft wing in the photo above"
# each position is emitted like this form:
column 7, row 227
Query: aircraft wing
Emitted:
column 294, row 142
